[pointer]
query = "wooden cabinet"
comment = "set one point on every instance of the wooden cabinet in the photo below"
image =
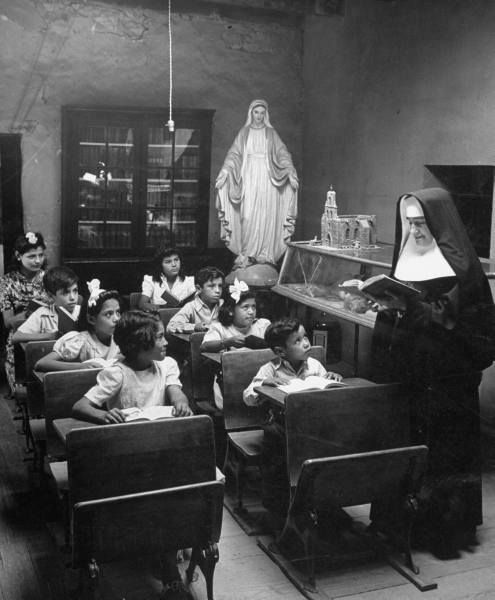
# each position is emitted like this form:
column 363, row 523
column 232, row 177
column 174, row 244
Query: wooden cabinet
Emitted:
column 130, row 185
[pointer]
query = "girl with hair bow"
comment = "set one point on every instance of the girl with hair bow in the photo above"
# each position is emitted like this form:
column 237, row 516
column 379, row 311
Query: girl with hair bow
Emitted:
column 236, row 322
column 93, row 346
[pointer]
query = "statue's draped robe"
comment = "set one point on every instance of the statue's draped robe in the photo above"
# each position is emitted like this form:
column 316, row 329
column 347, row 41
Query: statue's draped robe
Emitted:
column 257, row 206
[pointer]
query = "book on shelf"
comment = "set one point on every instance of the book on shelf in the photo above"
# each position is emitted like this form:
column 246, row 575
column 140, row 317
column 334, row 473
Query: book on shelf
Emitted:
column 379, row 286
column 313, row 382
column 149, row 413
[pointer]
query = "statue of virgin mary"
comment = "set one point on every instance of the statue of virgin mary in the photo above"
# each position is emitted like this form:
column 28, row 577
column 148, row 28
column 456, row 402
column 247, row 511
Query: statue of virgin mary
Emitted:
column 256, row 195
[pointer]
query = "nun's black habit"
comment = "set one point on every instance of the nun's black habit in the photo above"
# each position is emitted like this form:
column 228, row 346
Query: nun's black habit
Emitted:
column 424, row 348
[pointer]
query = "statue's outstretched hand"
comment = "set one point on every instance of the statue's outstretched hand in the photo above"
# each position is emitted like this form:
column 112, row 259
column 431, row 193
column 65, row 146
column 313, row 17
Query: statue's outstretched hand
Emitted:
column 294, row 181
column 221, row 179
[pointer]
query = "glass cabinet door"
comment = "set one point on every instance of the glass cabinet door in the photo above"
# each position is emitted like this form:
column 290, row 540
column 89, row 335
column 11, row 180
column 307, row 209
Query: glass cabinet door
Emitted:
column 130, row 185
column 105, row 199
column 173, row 175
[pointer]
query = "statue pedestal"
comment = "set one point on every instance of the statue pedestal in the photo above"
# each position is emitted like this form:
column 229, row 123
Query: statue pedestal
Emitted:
column 256, row 276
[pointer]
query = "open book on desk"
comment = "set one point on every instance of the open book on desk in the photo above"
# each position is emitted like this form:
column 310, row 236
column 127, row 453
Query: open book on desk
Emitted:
column 150, row 413
column 379, row 286
column 313, row 382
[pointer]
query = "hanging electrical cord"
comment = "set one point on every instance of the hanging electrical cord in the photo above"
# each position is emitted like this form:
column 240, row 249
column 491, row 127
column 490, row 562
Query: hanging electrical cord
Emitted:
column 170, row 124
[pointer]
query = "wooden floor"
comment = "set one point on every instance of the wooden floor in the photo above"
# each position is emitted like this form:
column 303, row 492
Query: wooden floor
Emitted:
column 32, row 567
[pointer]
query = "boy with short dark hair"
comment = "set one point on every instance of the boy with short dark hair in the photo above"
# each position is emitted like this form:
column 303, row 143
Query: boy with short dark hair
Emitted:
column 204, row 308
column 288, row 339
column 45, row 323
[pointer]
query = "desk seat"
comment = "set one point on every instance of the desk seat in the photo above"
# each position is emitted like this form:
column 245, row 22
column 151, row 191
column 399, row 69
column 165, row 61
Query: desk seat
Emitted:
column 248, row 443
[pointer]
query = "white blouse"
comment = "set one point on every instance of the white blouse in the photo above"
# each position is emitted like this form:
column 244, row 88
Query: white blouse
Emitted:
column 218, row 332
column 78, row 346
column 119, row 386
column 181, row 289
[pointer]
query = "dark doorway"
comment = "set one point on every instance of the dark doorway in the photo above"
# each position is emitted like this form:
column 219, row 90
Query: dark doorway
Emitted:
column 471, row 187
column 11, row 218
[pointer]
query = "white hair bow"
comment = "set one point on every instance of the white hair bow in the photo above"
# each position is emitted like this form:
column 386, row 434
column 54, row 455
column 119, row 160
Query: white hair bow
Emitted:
column 94, row 291
column 237, row 288
column 31, row 237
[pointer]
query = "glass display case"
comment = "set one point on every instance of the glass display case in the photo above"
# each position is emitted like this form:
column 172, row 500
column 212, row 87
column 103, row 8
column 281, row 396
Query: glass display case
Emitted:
column 311, row 274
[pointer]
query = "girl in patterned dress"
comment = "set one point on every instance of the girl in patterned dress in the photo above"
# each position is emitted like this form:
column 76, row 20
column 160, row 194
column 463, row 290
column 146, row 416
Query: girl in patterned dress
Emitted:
column 21, row 285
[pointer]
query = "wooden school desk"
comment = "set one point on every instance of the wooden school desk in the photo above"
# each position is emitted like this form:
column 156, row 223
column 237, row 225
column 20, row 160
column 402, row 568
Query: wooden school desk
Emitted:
column 276, row 397
column 64, row 426
column 214, row 357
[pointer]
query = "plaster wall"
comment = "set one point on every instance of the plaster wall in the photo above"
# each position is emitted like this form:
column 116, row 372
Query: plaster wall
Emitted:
column 390, row 87
column 65, row 53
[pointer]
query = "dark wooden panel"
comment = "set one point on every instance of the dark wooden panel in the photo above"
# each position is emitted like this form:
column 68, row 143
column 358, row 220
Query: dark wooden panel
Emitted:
column 344, row 420
column 149, row 523
column 110, row 460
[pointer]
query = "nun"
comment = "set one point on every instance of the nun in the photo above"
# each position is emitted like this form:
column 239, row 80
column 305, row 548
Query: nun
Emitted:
column 419, row 342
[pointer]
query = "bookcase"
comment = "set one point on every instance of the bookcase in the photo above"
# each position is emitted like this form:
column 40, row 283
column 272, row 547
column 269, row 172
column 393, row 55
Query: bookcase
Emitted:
column 129, row 184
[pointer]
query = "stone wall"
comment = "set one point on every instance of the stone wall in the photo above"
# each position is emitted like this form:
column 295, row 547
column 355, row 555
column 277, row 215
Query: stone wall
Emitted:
column 391, row 87
column 58, row 52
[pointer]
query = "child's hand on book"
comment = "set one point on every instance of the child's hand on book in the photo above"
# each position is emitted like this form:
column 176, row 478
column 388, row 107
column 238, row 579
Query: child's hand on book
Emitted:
column 236, row 341
column 114, row 415
column 333, row 376
column 182, row 409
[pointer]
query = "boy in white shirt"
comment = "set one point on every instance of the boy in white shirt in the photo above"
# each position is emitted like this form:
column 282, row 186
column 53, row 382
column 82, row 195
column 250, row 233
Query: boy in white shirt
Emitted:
column 48, row 322
column 204, row 308
column 288, row 339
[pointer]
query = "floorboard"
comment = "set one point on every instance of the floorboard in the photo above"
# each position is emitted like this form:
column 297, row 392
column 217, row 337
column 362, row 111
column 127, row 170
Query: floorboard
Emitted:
column 32, row 567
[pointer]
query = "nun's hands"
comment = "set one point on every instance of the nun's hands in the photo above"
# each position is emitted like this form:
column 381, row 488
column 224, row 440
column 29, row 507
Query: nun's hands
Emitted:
column 388, row 302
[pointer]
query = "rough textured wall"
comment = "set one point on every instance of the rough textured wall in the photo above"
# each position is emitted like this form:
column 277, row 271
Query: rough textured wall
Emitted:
column 390, row 87
column 62, row 52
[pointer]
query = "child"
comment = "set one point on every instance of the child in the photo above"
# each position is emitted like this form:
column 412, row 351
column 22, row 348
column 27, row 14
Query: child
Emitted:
column 60, row 284
column 93, row 346
column 167, row 285
column 145, row 377
column 288, row 339
column 205, row 307
column 22, row 284
column 140, row 379
column 236, row 321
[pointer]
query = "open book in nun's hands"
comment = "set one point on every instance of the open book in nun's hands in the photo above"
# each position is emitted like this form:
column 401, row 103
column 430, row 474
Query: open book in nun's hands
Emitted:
column 378, row 287
column 313, row 382
column 150, row 413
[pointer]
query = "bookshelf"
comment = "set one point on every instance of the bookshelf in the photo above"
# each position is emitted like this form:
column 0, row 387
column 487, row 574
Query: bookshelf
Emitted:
column 130, row 185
